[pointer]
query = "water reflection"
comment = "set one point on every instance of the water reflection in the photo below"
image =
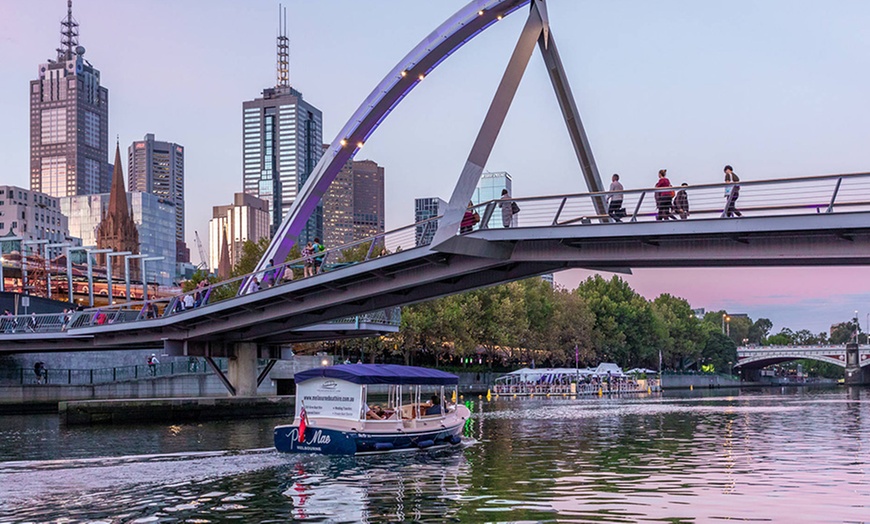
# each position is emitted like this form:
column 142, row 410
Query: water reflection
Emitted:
column 781, row 455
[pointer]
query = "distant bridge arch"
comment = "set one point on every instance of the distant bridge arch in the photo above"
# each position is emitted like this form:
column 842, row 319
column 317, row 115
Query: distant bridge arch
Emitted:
column 759, row 357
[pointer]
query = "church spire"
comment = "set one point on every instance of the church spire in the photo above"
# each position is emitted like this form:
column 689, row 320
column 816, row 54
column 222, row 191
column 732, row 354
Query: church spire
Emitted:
column 283, row 50
column 118, row 195
column 69, row 35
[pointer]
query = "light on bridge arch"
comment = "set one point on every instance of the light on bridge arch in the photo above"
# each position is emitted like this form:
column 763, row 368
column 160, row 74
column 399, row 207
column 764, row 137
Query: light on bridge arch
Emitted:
column 421, row 77
column 404, row 73
column 480, row 13
column 359, row 145
column 343, row 142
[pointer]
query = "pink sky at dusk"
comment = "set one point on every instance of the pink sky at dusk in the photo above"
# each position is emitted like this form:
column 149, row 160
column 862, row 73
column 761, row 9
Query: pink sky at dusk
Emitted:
column 796, row 297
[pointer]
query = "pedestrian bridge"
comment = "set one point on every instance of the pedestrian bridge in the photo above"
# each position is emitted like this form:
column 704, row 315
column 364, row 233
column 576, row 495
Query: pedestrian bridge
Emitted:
column 759, row 357
column 824, row 222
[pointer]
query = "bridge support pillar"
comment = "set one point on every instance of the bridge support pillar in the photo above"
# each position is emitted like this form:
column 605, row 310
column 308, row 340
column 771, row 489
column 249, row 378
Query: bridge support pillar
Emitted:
column 242, row 372
column 855, row 374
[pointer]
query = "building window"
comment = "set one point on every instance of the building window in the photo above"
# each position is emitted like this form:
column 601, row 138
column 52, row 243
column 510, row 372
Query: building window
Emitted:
column 92, row 129
column 54, row 126
column 54, row 176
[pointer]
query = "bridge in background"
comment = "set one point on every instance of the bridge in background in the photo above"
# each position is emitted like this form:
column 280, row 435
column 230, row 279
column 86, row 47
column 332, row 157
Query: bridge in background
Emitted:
column 814, row 221
column 855, row 358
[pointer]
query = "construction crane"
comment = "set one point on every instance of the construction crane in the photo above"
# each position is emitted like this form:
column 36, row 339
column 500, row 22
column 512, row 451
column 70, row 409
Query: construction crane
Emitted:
column 202, row 256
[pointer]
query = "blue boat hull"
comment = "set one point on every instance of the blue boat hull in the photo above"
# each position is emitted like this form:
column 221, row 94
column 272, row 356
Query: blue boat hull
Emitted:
column 333, row 442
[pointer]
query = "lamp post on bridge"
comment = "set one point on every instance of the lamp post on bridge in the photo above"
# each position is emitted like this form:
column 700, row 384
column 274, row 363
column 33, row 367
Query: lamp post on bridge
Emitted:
column 69, row 251
column 91, row 272
column 24, row 245
column 127, row 271
column 48, row 261
column 109, row 271
column 145, row 276
column 2, row 277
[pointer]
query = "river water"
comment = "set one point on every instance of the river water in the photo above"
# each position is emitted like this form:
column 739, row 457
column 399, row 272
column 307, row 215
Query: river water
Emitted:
column 772, row 455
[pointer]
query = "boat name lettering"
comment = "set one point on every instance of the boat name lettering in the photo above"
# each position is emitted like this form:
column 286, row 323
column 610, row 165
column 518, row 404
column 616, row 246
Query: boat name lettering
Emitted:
column 317, row 438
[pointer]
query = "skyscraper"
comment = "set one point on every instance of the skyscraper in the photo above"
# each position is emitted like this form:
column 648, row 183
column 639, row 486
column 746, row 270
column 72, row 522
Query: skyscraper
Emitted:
column 247, row 218
column 424, row 209
column 281, row 144
column 353, row 207
column 69, row 122
column 489, row 188
column 158, row 168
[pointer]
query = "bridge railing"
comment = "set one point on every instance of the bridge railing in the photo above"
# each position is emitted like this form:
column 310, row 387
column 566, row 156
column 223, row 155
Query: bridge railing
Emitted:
column 792, row 196
column 81, row 377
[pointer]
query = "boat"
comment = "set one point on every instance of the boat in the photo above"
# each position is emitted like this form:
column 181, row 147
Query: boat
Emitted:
column 353, row 409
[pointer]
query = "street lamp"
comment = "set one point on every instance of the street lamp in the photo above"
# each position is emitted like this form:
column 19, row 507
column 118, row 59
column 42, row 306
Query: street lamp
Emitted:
column 724, row 315
column 69, row 251
column 109, row 271
column 145, row 275
column 127, row 271
column 48, row 261
column 24, row 259
column 3, row 278
column 91, row 272
column 727, row 326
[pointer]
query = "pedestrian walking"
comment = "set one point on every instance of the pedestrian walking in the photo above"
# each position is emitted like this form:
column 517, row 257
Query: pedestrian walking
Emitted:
column 319, row 255
column 508, row 208
column 664, row 197
column 152, row 364
column 40, row 372
column 308, row 260
column 681, row 202
column 732, row 193
column 469, row 219
column 615, row 209
column 188, row 301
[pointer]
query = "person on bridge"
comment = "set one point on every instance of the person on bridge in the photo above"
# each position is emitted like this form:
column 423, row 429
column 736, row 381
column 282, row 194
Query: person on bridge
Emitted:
column 152, row 364
column 308, row 262
column 732, row 193
column 507, row 208
column 664, row 197
column 614, row 209
column 319, row 248
column 469, row 219
column 681, row 202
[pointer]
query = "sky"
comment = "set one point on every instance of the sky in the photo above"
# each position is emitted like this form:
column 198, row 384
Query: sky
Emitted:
column 775, row 88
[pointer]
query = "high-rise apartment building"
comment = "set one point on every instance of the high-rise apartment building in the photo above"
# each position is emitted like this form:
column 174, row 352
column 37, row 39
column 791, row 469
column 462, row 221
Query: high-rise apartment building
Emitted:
column 353, row 206
column 489, row 188
column 158, row 168
column 69, row 122
column 31, row 215
column 247, row 218
column 282, row 137
column 424, row 210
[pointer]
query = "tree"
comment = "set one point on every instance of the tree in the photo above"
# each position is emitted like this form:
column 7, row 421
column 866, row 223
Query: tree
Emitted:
column 720, row 351
column 684, row 336
column 626, row 329
column 759, row 330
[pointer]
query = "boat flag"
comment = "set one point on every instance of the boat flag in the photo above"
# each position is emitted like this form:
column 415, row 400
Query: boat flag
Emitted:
column 303, row 423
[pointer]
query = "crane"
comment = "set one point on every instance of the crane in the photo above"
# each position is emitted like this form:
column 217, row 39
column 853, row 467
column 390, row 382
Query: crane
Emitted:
column 203, row 264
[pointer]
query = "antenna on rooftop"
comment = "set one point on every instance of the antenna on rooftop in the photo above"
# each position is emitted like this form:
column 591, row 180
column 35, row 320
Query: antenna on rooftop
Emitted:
column 283, row 49
column 69, row 35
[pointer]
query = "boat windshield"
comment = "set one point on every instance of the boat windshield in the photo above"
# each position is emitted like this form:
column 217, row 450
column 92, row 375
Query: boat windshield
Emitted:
column 407, row 402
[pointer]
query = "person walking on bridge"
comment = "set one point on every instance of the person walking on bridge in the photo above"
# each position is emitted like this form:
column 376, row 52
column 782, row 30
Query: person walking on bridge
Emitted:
column 507, row 208
column 614, row 209
column 732, row 193
column 664, row 197
column 681, row 202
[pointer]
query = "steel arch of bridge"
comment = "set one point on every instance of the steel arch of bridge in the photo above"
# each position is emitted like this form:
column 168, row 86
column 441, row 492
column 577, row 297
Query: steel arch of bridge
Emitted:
column 460, row 28
column 762, row 357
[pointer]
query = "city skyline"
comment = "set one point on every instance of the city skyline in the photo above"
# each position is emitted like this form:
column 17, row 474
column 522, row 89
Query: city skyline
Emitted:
column 772, row 89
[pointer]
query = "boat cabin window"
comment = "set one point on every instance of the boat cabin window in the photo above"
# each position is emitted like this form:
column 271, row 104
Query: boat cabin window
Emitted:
column 407, row 402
